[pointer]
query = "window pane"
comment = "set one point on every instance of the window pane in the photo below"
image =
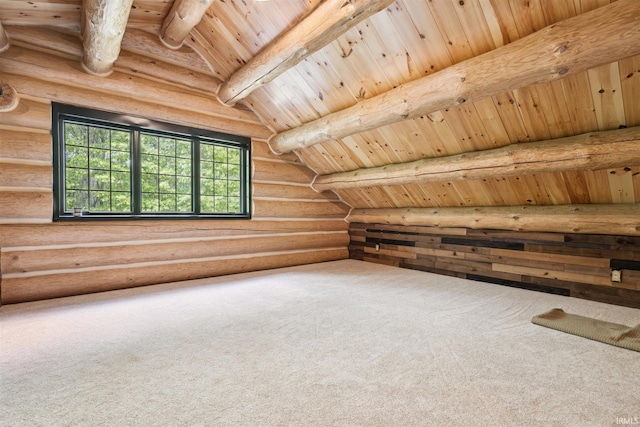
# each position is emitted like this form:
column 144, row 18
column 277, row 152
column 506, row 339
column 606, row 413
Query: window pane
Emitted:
column 76, row 199
column 206, row 187
column 121, row 202
column 120, row 160
column 233, row 172
column 184, row 185
column 150, row 202
column 167, row 147
column 98, row 166
column 77, row 157
column 121, row 181
column 167, row 165
column 167, row 184
column 183, row 167
column 77, row 179
column 206, row 204
column 167, row 203
column 149, row 164
column 99, row 159
column 220, row 154
column 183, row 149
column 99, row 138
column 220, row 171
column 221, row 188
column 149, row 183
column 221, row 204
column 100, row 201
column 149, row 144
column 92, row 173
column 234, row 156
column 206, row 169
column 206, row 152
column 234, row 189
column 184, row 203
column 75, row 134
column 120, row 140
column 99, row 180
column 234, row 205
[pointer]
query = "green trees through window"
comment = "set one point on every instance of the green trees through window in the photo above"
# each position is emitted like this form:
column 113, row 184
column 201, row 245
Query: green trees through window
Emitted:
column 113, row 168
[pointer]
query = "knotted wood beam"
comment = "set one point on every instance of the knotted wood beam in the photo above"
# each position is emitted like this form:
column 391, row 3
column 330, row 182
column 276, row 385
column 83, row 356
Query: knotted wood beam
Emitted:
column 8, row 97
column 4, row 39
column 621, row 219
column 589, row 151
column 183, row 16
column 102, row 27
column 328, row 21
column 601, row 36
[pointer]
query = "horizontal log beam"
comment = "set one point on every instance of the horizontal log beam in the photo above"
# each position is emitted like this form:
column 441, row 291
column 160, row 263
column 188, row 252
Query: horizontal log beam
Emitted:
column 102, row 27
column 21, row 287
column 328, row 21
column 147, row 44
column 601, row 36
column 28, row 62
column 4, row 39
column 136, row 62
column 116, row 103
column 621, row 219
column 183, row 16
column 589, row 151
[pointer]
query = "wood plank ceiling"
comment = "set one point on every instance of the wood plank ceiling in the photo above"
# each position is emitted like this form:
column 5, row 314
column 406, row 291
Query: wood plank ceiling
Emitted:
column 406, row 41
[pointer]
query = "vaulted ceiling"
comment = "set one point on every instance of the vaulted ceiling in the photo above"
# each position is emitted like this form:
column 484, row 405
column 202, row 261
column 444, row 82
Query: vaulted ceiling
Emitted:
column 416, row 42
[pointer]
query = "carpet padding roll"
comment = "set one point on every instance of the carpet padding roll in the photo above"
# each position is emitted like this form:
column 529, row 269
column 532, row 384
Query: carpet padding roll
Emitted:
column 594, row 329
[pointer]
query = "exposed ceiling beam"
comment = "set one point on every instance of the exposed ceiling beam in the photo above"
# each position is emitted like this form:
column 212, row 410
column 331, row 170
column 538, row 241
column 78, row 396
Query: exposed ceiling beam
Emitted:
column 102, row 27
column 589, row 151
column 137, row 62
column 601, row 36
column 328, row 21
column 54, row 69
column 623, row 218
column 183, row 16
column 4, row 39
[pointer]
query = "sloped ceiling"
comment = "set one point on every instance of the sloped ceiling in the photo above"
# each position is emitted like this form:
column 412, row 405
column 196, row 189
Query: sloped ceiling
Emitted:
column 408, row 40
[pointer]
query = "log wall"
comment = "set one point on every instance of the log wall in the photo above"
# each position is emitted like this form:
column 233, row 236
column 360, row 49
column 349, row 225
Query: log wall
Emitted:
column 577, row 265
column 291, row 224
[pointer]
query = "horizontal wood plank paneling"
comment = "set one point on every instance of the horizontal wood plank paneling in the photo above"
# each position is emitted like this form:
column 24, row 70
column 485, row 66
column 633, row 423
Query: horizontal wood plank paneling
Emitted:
column 576, row 265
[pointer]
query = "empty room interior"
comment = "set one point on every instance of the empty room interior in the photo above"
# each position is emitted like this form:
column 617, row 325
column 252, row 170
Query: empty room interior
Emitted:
column 319, row 212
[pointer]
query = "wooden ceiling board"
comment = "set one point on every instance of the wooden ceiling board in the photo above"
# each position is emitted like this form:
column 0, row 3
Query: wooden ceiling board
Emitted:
column 55, row 13
column 424, row 45
column 579, row 103
column 630, row 84
column 511, row 117
column 406, row 41
column 606, row 92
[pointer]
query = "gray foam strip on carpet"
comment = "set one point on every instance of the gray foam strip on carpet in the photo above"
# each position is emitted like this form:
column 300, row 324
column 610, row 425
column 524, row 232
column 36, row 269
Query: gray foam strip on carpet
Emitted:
column 594, row 329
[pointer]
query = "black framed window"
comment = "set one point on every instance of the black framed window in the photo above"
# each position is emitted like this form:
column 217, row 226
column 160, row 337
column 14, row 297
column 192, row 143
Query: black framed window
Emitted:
column 109, row 166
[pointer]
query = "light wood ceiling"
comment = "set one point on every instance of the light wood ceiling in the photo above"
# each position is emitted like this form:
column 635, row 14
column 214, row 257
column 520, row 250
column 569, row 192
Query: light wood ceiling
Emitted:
column 404, row 42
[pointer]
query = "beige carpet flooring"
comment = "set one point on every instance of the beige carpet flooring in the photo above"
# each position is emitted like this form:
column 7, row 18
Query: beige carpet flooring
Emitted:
column 344, row 343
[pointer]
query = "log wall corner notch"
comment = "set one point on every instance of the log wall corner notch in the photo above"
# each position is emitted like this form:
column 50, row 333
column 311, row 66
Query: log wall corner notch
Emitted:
column 102, row 27
column 4, row 39
column 183, row 16
column 8, row 98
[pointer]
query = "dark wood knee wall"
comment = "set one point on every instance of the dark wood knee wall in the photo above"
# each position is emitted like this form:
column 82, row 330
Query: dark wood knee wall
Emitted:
column 577, row 265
